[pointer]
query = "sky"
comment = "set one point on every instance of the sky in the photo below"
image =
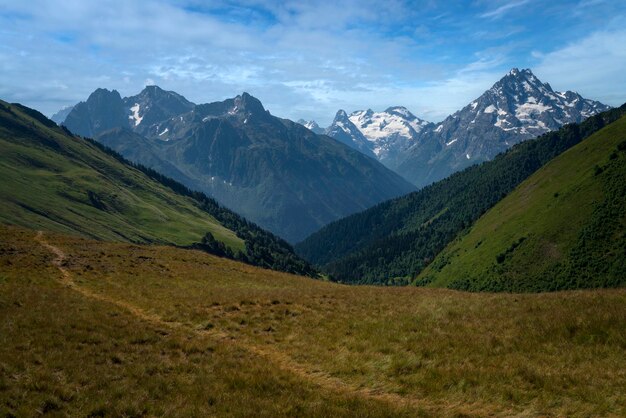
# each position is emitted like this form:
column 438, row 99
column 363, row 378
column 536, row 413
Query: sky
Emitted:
column 307, row 59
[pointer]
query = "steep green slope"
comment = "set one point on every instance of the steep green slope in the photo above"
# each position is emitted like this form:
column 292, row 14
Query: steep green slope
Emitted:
column 60, row 183
column 562, row 228
column 393, row 241
column 55, row 181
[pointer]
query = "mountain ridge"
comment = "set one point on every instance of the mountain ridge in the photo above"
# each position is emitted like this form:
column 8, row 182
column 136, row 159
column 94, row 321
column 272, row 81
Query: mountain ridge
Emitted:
column 516, row 108
column 273, row 171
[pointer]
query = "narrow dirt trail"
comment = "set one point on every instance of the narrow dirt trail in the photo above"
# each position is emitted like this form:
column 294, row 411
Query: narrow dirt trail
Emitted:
column 67, row 280
column 278, row 358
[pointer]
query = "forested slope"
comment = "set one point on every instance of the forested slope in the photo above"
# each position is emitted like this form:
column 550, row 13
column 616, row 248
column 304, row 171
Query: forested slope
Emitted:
column 562, row 228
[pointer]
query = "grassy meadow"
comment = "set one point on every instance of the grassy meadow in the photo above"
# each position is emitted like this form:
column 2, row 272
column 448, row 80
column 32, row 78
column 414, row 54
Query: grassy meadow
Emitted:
column 115, row 329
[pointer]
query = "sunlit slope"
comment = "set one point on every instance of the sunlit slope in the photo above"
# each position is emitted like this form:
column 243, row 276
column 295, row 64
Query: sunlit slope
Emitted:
column 64, row 352
column 150, row 330
column 562, row 228
column 53, row 181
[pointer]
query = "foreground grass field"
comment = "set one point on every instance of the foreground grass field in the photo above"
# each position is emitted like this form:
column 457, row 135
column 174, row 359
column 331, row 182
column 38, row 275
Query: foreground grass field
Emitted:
column 124, row 330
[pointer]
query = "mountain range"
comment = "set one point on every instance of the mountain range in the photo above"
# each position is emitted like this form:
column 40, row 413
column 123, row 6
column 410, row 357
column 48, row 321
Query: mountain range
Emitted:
column 273, row 171
column 516, row 108
column 292, row 179
column 394, row 241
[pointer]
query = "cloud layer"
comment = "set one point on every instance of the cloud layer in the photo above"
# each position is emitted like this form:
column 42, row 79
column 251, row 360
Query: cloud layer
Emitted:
column 307, row 59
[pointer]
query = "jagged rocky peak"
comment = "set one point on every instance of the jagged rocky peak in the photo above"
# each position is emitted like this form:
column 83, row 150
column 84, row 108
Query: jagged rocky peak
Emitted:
column 520, row 102
column 103, row 110
column 152, row 91
column 247, row 103
column 148, row 110
column 517, row 107
column 104, row 95
column 523, row 83
column 169, row 101
column 311, row 125
column 341, row 114
column 342, row 123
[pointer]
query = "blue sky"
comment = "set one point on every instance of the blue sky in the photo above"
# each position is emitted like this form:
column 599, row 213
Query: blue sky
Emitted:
column 307, row 59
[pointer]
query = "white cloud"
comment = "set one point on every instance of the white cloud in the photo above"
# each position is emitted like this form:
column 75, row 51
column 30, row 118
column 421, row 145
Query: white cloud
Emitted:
column 504, row 9
column 594, row 66
column 302, row 59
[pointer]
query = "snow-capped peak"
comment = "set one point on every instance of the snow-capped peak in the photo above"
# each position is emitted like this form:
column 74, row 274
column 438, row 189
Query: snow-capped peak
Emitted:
column 384, row 134
column 341, row 114
column 514, row 72
column 517, row 107
column 393, row 122
column 520, row 103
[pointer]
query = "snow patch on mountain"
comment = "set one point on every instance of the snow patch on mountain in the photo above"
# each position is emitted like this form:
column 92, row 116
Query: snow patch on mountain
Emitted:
column 396, row 121
column 135, row 116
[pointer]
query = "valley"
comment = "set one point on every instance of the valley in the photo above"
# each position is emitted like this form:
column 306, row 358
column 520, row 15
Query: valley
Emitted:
column 313, row 209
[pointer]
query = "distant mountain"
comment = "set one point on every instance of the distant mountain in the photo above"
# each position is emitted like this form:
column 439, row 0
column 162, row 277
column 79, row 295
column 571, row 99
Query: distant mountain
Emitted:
column 105, row 110
column 516, row 108
column 102, row 111
column 275, row 172
column 152, row 106
column 385, row 135
column 344, row 131
column 394, row 241
column 312, row 125
column 60, row 116
column 562, row 228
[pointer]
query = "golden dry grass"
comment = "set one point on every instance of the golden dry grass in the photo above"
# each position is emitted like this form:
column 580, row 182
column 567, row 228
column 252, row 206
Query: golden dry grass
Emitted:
column 142, row 330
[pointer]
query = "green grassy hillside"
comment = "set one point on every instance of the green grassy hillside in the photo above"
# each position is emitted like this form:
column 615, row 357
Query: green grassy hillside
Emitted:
column 562, row 228
column 57, row 182
column 160, row 331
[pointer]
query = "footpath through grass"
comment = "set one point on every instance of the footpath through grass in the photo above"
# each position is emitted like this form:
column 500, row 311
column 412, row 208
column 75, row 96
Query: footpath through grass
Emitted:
column 232, row 339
